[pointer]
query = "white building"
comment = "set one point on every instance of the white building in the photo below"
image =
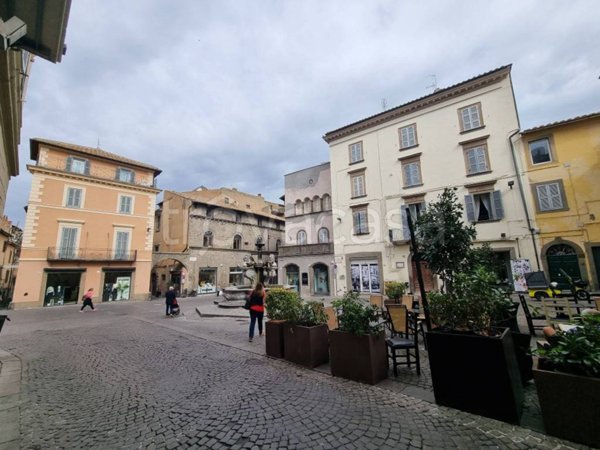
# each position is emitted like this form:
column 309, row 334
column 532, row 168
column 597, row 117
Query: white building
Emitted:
column 459, row 137
column 306, row 256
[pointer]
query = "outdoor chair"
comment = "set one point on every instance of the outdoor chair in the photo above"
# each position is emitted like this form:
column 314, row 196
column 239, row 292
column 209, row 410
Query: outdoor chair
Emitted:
column 332, row 322
column 408, row 301
column 404, row 338
column 530, row 318
column 376, row 300
column 557, row 310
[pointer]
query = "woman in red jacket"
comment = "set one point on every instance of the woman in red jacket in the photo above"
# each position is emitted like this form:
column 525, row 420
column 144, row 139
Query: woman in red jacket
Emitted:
column 257, row 309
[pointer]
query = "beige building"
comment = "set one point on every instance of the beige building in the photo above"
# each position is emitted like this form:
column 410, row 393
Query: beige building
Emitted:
column 89, row 224
column 10, row 247
column 404, row 157
column 306, row 256
column 28, row 28
column 202, row 236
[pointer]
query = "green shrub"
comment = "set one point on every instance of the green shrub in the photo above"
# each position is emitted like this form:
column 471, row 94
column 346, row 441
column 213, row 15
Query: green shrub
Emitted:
column 356, row 316
column 395, row 289
column 312, row 313
column 282, row 304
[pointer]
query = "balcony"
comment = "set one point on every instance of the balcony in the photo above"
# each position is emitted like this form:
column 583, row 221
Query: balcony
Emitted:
column 89, row 254
column 305, row 250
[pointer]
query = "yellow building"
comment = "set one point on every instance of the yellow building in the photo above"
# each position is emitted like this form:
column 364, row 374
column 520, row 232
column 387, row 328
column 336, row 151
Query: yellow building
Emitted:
column 89, row 224
column 562, row 165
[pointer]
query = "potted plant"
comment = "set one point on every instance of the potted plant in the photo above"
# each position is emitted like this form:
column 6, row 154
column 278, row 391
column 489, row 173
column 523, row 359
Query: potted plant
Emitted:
column 473, row 365
column 357, row 348
column 567, row 379
column 395, row 290
column 279, row 304
column 305, row 333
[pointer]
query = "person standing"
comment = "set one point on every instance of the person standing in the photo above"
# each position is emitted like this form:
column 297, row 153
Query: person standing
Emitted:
column 170, row 297
column 257, row 309
column 87, row 299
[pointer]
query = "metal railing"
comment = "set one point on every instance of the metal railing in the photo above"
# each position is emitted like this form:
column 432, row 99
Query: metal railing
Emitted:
column 89, row 254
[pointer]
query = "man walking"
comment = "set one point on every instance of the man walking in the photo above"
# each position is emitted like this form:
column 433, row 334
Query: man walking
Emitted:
column 170, row 297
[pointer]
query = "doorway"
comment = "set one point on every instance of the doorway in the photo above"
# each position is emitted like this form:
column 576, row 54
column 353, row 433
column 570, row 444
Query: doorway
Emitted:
column 562, row 256
column 320, row 279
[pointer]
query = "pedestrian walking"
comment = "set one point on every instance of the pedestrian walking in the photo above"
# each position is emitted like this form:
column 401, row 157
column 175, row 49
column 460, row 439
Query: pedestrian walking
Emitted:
column 170, row 297
column 257, row 309
column 87, row 299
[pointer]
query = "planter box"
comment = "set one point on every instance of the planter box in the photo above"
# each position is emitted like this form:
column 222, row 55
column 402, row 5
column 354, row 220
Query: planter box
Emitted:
column 274, row 338
column 522, row 343
column 477, row 374
column 569, row 405
column 358, row 358
column 306, row 346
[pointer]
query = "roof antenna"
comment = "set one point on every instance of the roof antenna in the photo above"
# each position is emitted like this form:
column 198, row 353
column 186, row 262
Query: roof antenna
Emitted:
column 433, row 84
column 384, row 104
column 98, row 144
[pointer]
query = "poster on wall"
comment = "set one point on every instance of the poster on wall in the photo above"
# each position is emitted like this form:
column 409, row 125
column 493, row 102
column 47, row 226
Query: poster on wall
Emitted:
column 519, row 267
column 123, row 286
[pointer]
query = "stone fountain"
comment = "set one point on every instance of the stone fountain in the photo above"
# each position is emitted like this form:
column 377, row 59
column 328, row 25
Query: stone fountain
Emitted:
column 260, row 270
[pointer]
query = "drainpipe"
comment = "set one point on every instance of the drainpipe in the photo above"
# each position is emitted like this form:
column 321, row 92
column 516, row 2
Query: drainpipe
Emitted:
column 531, row 229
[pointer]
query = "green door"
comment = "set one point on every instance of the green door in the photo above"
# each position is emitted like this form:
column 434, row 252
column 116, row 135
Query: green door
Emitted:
column 562, row 257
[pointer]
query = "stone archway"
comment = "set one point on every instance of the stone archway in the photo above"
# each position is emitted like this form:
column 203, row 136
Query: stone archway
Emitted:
column 168, row 270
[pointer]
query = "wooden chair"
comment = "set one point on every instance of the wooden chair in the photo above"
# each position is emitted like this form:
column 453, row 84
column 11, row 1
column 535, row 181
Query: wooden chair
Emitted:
column 405, row 338
column 332, row 322
column 557, row 310
column 530, row 318
column 376, row 300
column 408, row 301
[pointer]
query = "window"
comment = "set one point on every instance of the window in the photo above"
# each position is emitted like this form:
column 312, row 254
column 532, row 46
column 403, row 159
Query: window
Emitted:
column 68, row 243
column 210, row 212
column 408, row 136
column 208, row 239
column 323, row 236
column 416, row 209
column 125, row 175
column 122, row 245
column 157, row 248
column 365, row 276
column 78, row 165
column 299, row 209
column 74, row 197
column 326, row 202
column 277, row 244
column 238, row 217
column 470, row 117
column 301, row 237
column 411, row 172
column 360, row 221
column 550, row 196
column 316, row 204
column 125, row 204
column 358, row 185
column 236, row 276
column 476, row 159
column 484, row 207
column 356, row 152
column 540, row 151
column 237, row 242
column 307, row 206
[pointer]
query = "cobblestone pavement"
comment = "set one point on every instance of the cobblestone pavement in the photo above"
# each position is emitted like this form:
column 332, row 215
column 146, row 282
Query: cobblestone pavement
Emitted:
column 125, row 377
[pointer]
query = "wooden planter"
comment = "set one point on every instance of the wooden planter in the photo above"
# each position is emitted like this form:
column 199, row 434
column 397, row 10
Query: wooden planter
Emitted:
column 274, row 338
column 569, row 405
column 477, row 374
column 521, row 342
column 358, row 358
column 306, row 346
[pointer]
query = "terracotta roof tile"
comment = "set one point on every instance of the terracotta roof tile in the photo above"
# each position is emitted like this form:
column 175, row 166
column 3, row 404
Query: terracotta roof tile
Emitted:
column 562, row 122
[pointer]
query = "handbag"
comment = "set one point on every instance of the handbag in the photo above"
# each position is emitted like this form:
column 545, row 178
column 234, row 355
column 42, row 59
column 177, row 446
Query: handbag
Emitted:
column 247, row 304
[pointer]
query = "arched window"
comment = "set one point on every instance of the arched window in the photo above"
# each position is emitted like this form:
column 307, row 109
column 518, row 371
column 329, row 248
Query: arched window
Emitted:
column 208, row 239
column 237, row 242
column 277, row 244
column 301, row 237
column 323, row 236
column 307, row 205
column 326, row 202
column 299, row 209
column 316, row 204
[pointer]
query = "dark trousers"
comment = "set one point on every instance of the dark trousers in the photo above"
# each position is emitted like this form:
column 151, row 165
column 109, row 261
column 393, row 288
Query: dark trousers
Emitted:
column 254, row 317
column 87, row 302
column 169, row 307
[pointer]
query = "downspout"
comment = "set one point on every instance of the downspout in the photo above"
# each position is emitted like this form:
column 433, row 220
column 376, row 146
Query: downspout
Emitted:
column 520, row 183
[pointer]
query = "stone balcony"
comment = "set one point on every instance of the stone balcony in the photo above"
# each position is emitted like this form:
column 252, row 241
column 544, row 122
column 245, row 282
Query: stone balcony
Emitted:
column 89, row 254
column 306, row 250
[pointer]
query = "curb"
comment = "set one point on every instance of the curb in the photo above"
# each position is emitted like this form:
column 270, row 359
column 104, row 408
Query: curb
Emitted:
column 10, row 390
column 212, row 314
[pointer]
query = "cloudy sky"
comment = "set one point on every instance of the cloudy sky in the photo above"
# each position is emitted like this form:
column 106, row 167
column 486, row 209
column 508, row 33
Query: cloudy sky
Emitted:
column 237, row 93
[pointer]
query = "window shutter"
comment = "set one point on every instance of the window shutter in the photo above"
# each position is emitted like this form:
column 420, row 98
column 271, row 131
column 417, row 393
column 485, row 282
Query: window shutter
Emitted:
column 132, row 180
column 470, row 207
column 498, row 210
column 118, row 174
column 543, row 197
column 69, row 163
column 87, row 167
column 405, row 230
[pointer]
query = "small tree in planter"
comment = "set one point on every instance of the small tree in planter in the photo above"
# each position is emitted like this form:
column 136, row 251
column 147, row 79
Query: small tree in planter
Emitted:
column 395, row 289
column 357, row 347
column 305, row 333
column 473, row 366
column 567, row 379
column 280, row 304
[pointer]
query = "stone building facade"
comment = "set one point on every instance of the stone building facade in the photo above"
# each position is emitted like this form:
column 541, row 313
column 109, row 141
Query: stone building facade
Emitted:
column 306, row 257
column 202, row 236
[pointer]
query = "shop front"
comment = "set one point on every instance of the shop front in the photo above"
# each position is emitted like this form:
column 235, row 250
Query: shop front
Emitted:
column 62, row 286
column 117, row 284
column 207, row 280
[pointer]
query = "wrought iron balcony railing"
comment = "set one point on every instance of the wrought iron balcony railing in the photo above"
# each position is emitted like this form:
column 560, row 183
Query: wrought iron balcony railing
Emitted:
column 308, row 249
column 89, row 254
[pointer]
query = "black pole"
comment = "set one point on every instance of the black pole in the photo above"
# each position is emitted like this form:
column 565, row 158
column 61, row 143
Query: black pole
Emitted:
column 417, row 259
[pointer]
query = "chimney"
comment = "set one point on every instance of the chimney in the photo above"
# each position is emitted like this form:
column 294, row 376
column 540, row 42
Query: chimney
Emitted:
column 260, row 195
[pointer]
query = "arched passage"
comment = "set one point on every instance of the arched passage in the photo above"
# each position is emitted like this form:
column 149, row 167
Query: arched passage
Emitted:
column 167, row 272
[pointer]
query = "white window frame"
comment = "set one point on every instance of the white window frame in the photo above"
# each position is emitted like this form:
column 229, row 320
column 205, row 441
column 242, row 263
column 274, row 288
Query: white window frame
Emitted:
column 549, row 147
column 66, row 196
column 473, row 116
column 359, row 226
column 495, row 206
column 408, row 136
column 62, row 225
column 358, row 185
column 78, row 160
column 301, row 238
column 116, row 231
column 120, row 203
column 356, row 152
column 131, row 173
column 411, row 173
column 323, row 239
